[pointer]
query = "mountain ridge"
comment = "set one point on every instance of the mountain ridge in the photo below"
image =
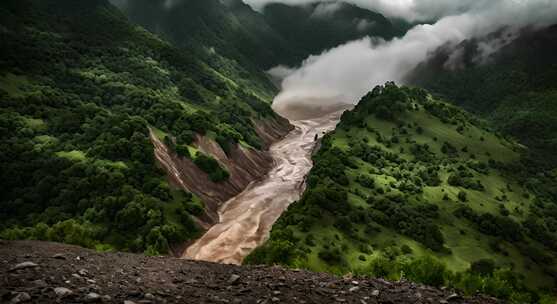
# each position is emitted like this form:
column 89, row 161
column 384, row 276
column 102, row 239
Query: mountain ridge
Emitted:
column 259, row 41
column 513, row 86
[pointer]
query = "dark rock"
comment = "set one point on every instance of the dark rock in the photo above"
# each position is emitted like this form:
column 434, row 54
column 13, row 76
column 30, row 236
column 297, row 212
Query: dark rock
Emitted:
column 21, row 297
column 233, row 279
column 24, row 265
column 62, row 292
column 134, row 293
column 59, row 256
column 453, row 297
column 40, row 283
column 149, row 296
column 92, row 298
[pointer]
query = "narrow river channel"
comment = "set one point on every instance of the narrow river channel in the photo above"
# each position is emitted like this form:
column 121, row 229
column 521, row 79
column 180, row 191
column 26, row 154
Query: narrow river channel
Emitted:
column 246, row 220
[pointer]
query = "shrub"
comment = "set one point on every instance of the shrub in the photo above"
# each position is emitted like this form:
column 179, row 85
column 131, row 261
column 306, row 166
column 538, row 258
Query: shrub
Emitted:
column 381, row 267
column 280, row 249
column 483, row 267
column 209, row 165
column 365, row 181
column 406, row 249
column 426, row 270
column 183, row 151
column 331, row 256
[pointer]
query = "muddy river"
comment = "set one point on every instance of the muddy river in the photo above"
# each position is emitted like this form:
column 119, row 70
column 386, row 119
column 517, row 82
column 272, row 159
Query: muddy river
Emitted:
column 246, row 220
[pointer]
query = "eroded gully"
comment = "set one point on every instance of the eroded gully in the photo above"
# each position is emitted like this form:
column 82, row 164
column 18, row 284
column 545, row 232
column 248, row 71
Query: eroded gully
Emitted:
column 246, row 219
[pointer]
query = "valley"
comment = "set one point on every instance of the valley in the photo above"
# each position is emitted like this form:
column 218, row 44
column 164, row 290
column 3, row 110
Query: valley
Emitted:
column 246, row 219
column 269, row 151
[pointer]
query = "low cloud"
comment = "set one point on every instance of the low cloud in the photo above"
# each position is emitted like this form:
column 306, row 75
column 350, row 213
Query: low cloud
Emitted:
column 345, row 73
column 364, row 25
column 411, row 10
column 326, row 9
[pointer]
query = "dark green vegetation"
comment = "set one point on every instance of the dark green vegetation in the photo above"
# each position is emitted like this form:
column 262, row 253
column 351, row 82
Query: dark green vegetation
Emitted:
column 234, row 37
column 412, row 186
column 515, row 88
column 80, row 89
column 230, row 38
column 319, row 26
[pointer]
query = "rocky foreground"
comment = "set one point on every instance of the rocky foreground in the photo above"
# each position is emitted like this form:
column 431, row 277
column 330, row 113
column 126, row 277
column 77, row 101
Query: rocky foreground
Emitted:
column 41, row 272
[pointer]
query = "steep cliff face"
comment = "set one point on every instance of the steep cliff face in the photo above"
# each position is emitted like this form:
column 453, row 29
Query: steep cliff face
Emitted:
column 244, row 164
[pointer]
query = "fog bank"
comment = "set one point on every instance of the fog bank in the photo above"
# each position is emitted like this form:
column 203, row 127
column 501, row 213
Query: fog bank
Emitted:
column 410, row 10
column 345, row 73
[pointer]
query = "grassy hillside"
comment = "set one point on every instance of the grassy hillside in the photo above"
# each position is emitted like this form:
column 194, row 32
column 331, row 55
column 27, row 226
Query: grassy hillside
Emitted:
column 514, row 87
column 80, row 87
column 410, row 186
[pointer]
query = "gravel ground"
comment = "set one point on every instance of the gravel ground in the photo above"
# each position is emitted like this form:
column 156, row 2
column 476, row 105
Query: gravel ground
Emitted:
column 42, row 272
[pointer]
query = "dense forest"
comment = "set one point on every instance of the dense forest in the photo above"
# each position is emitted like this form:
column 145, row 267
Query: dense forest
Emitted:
column 513, row 86
column 409, row 186
column 82, row 90
column 228, row 37
column 320, row 26
column 259, row 41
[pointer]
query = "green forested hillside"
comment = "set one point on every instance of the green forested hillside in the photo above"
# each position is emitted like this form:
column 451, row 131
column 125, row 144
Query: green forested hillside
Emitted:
column 228, row 35
column 410, row 186
column 80, row 87
column 251, row 42
column 514, row 87
column 322, row 25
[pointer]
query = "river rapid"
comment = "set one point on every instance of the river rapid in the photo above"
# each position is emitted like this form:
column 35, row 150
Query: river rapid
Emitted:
column 246, row 220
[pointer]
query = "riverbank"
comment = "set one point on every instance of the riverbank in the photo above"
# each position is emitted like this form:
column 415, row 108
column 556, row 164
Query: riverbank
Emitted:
column 246, row 219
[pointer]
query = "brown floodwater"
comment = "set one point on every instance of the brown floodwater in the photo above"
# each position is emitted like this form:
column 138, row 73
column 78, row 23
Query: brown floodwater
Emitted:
column 246, row 220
